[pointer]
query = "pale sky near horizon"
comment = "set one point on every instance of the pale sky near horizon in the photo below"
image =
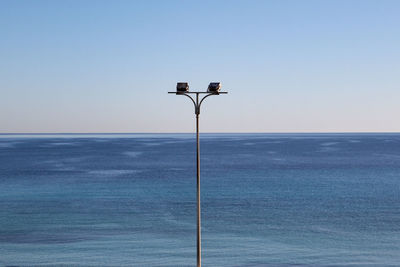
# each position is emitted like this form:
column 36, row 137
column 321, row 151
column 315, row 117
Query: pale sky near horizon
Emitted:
column 289, row 66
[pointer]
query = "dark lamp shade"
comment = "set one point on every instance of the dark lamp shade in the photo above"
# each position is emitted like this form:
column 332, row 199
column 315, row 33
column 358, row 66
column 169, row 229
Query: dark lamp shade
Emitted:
column 182, row 87
column 214, row 87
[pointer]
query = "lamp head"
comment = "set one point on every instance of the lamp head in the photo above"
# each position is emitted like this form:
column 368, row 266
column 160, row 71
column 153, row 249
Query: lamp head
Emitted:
column 182, row 87
column 214, row 87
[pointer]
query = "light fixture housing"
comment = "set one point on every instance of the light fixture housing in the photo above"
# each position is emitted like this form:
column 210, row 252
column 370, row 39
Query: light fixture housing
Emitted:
column 214, row 87
column 182, row 87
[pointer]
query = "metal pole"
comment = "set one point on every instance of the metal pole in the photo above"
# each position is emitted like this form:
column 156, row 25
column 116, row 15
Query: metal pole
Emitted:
column 197, row 105
column 198, row 184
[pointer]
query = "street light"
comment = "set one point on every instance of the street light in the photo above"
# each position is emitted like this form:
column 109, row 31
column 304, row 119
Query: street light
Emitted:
column 182, row 88
column 214, row 87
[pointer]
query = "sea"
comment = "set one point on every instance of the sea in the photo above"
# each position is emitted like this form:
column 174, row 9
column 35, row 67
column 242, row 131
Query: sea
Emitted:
column 267, row 199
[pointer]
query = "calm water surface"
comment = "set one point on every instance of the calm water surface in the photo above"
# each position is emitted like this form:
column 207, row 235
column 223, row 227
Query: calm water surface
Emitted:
column 267, row 199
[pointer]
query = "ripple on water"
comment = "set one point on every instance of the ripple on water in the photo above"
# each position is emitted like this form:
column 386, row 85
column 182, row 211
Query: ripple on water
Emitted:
column 132, row 154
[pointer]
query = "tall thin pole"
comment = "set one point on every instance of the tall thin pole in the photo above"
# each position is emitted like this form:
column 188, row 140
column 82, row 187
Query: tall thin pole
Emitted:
column 197, row 105
column 198, row 184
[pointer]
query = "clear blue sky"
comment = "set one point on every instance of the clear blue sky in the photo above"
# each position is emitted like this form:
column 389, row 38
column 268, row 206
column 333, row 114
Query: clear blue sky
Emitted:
column 289, row 66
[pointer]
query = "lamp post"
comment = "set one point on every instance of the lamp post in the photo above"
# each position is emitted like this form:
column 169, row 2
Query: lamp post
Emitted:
column 183, row 89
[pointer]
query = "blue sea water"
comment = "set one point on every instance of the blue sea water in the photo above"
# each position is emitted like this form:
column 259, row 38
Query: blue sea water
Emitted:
column 267, row 200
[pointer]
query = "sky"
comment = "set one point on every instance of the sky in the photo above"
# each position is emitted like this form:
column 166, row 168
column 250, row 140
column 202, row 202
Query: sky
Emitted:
column 288, row 66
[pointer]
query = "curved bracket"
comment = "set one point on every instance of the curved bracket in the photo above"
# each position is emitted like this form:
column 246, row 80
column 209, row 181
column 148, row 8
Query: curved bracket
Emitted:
column 204, row 98
column 194, row 103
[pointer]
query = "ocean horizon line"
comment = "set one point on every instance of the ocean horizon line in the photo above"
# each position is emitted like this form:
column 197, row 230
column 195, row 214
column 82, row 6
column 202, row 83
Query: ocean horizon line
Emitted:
column 129, row 133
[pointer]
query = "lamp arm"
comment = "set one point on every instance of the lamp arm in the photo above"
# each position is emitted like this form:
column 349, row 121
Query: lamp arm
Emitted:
column 194, row 103
column 204, row 98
